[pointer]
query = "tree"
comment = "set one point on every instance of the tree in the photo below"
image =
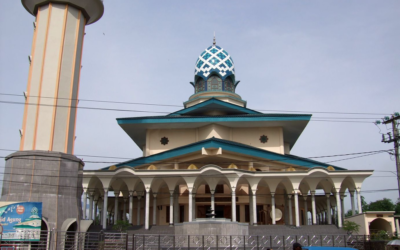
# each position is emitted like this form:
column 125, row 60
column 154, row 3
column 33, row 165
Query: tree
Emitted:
column 350, row 213
column 364, row 204
column 397, row 207
column 381, row 205
column 351, row 227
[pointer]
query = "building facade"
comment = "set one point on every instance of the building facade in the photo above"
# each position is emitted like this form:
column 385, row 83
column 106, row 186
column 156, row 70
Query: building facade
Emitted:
column 216, row 152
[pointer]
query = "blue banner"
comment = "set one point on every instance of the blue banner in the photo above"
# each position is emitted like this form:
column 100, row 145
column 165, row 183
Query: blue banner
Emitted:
column 21, row 221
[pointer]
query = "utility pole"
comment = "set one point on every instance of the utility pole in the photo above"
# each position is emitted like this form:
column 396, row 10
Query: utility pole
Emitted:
column 395, row 139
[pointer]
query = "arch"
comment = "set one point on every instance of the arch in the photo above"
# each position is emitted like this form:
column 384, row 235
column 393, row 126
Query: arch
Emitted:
column 229, row 85
column 44, row 237
column 70, row 235
column 200, row 85
column 348, row 183
column 379, row 224
column 318, row 178
column 214, row 83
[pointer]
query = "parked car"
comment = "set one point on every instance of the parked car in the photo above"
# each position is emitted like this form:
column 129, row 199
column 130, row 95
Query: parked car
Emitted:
column 327, row 248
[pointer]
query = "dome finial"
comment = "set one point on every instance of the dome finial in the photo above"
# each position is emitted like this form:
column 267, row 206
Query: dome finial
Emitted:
column 214, row 41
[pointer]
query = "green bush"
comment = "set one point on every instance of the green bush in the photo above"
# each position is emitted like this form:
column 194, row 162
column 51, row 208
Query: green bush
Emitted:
column 121, row 226
column 351, row 227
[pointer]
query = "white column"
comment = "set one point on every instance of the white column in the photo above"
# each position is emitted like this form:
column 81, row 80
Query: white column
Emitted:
column 124, row 210
column 296, row 208
column 342, row 203
column 359, row 200
column 339, row 208
column 84, row 203
column 171, row 208
column 139, row 197
column 147, row 210
column 251, row 207
column 212, row 200
column 233, row 205
column 154, row 209
column 91, row 196
column 176, row 207
column 105, row 205
column 314, row 212
column 273, row 208
column 130, row 207
column 254, row 208
column 190, row 219
column 328, row 208
column 353, row 208
column 305, row 210
column 194, row 206
column 397, row 226
column 116, row 193
column 290, row 209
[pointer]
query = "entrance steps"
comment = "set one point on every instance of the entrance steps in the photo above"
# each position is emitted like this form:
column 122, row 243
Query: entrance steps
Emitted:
column 258, row 230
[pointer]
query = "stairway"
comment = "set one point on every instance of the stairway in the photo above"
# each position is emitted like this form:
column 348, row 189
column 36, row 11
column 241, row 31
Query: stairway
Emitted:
column 258, row 230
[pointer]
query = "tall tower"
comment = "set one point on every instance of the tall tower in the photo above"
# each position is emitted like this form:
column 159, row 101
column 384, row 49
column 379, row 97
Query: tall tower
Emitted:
column 53, row 82
column 44, row 170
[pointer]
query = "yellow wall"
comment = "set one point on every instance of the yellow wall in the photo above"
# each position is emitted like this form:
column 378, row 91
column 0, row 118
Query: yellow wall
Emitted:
column 248, row 136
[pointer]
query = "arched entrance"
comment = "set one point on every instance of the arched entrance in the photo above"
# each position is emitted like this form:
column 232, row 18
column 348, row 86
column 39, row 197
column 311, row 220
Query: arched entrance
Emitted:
column 70, row 236
column 379, row 224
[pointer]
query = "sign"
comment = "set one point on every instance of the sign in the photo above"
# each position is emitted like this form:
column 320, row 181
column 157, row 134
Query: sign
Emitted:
column 21, row 221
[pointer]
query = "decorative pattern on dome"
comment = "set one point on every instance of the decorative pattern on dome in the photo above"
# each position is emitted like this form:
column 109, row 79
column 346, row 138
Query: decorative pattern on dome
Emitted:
column 214, row 59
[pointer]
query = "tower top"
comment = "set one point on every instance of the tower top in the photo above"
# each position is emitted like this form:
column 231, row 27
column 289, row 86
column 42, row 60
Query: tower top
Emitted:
column 92, row 9
column 215, row 40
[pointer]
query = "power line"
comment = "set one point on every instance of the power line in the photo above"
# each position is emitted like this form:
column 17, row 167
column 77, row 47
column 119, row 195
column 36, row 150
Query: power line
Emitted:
column 221, row 162
column 170, row 105
column 314, row 157
column 321, row 119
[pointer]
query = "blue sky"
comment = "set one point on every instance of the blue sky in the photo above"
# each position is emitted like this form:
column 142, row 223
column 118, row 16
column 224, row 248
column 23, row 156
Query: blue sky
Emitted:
column 312, row 56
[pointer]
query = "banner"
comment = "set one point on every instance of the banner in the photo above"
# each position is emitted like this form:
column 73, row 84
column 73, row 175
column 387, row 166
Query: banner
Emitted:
column 21, row 221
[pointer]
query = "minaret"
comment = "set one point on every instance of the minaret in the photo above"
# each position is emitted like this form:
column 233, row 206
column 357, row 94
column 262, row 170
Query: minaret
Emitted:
column 44, row 170
column 53, row 82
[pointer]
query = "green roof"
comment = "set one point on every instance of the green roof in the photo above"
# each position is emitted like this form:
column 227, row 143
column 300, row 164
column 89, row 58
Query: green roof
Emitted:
column 226, row 146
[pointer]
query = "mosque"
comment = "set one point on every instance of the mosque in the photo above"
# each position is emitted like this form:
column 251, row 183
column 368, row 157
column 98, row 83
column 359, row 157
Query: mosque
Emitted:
column 214, row 153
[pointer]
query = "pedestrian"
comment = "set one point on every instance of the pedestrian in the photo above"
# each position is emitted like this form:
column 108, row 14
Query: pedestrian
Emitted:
column 297, row 246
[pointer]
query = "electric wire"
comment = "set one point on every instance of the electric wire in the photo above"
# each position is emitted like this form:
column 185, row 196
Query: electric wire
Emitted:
column 213, row 162
column 314, row 157
column 169, row 105
column 321, row 119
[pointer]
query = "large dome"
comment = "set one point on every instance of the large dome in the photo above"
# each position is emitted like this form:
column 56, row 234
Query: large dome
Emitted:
column 214, row 60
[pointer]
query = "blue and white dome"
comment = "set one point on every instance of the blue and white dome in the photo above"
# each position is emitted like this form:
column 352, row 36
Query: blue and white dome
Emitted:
column 214, row 60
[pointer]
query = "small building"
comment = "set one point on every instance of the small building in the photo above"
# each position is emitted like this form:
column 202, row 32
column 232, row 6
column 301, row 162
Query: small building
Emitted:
column 374, row 221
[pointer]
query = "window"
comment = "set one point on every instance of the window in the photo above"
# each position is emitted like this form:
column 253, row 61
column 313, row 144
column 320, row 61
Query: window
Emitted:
column 229, row 85
column 214, row 83
column 200, row 85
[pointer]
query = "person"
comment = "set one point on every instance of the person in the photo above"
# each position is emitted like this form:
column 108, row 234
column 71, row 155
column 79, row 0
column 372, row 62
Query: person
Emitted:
column 297, row 246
